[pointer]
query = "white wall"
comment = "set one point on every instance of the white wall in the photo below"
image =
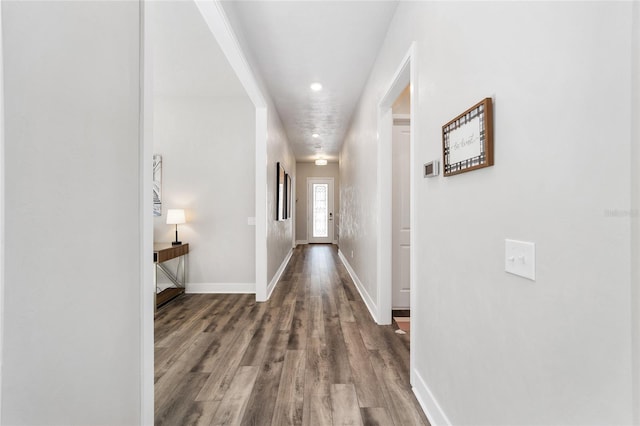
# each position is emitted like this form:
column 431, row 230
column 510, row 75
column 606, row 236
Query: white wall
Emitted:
column 208, row 149
column 491, row 347
column 72, row 295
column 307, row 170
column 635, row 210
column 2, row 185
column 279, row 234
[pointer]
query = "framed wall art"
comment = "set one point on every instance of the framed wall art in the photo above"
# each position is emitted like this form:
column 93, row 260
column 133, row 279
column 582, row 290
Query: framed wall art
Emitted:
column 467, row 140
column 280, row 192
column 286, row 195
column 289, row 190
column 157, row 185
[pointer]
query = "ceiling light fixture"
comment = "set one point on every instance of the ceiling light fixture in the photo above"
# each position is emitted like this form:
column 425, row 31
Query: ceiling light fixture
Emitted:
column 315, row 135
column 316, row 87
column 321, row 162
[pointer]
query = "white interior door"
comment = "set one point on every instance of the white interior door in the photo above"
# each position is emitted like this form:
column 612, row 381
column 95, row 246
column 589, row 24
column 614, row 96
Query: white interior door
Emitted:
column 320, row 210
column 401, row 216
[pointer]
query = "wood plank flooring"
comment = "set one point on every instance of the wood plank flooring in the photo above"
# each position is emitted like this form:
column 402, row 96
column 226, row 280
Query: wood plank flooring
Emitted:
column 311, row 355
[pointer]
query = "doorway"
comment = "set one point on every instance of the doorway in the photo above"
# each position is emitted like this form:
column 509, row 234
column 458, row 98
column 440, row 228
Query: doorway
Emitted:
column 404, row 77
column 219, row 27
column 320, row 223
column 401, row 212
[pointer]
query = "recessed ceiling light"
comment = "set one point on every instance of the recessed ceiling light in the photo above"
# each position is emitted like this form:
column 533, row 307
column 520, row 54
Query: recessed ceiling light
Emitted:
column 321, row 162
column 316, row 87
column 315, row 135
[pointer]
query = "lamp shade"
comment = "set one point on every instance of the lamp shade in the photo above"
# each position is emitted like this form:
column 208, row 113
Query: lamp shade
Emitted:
column 175, row 216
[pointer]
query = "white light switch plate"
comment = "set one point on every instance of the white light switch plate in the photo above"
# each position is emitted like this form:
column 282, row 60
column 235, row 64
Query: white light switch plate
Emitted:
column 520, row 258
column 251, row 221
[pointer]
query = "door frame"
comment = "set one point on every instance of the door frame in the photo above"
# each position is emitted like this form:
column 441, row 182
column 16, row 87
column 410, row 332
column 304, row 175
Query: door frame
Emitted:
column 332, row 232
column 406, row 74
column 2, row 206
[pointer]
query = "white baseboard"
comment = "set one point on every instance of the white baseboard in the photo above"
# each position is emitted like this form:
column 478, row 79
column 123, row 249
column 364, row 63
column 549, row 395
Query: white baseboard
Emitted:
column 363, row 292
column 301, row 242
column 428, row 402
column 204, row 288
column 276, row 277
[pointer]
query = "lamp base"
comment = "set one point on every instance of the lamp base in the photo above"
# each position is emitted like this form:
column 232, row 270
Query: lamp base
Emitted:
column 176, row 243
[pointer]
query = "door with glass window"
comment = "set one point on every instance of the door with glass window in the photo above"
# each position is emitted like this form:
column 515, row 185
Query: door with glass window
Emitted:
column 320, row 210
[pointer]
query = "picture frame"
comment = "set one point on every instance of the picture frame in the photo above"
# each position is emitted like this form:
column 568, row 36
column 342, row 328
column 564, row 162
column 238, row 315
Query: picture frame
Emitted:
column 467, row 140
column 157, row 185
column 286, row 196
column 280, row 192
column 289, row 196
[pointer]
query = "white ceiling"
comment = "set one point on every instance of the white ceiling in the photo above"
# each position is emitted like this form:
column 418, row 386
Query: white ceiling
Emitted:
column 295, row 43
column 187, row 60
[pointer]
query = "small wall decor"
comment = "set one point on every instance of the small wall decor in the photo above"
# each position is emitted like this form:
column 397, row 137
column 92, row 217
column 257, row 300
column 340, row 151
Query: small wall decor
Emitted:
column 157, row 185
column 286, row 195
column 289, row 196
column 467, row 140
column 280, row 192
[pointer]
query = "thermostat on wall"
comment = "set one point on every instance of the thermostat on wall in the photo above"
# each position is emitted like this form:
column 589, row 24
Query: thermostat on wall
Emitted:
column 431, row 168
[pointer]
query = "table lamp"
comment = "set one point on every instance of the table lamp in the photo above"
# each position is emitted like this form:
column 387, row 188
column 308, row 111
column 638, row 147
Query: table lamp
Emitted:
column 175, row 217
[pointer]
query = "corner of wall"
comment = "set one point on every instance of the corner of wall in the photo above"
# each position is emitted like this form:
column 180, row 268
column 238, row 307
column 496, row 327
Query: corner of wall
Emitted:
column 261, row 205
column 635, row 207
column 276, row 277
column 221, row 27
column 366, row 297
column 427, row 401
column 147, row 299
column 1, row 208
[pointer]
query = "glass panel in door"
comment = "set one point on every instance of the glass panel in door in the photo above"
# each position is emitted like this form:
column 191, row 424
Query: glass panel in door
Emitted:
column 320, row 210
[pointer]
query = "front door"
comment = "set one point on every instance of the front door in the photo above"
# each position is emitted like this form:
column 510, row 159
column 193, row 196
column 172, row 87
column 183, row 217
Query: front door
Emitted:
column 320, row 210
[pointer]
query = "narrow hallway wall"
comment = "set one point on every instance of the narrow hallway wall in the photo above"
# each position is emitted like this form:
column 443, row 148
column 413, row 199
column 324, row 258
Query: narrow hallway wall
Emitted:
column 557, row 350
column 635, row 210
column 279, row 233
column 72, row 344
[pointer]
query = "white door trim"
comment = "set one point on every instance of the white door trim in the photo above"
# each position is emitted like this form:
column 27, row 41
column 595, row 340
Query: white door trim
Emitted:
column 331, row 206
column 406, row 74
column 635, row 204
column 147, row 289
column 1, row 207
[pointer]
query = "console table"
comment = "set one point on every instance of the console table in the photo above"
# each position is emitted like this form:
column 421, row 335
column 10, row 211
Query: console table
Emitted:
column 163, row 252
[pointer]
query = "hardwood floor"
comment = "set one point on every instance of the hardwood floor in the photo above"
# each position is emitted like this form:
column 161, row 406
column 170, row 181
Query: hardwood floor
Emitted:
column 311, row 355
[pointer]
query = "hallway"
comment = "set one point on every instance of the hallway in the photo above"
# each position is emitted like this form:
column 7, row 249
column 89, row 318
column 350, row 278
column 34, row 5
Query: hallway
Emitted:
column 310, row 355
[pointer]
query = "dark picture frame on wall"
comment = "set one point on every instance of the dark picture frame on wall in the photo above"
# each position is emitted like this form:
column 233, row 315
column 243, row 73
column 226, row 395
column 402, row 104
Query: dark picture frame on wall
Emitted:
column 467, row 140
column 289, row 197
column 280, row 192
column 286, row 195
